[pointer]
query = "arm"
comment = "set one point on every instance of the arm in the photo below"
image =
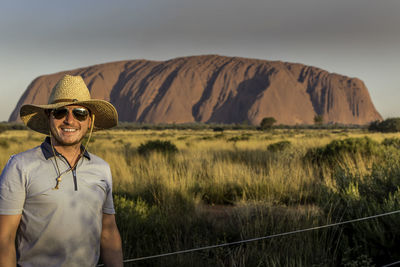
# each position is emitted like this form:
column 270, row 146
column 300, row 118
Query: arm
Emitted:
column 110, row 244
column 8, row 229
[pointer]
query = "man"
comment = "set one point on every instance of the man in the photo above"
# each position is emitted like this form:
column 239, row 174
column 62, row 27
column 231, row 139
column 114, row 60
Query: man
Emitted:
column 56, row 199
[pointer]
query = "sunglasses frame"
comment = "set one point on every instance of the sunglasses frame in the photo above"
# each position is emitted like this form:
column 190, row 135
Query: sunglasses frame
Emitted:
column 75, row 112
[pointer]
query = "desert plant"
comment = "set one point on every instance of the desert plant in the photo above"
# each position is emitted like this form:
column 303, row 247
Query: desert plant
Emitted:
column 318, row 119
column 394, row 142
column 279, row 146
column 243, row 137
column 267, row 122
column 333, row 152
column 365, row 195
column 2, row 128
column 218, row 129
column 4, row 143
column 386, row 126
column 165, row 147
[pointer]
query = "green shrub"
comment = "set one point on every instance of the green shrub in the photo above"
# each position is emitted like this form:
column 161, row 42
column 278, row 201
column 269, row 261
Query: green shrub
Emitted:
column 224, row 194
column 372, row 241
column 318, row 119
column 243, row 137
column 218, row 129
column 165, row 147
column 267, row 122
column 386, row 126
column 4, row 143
column 212, row 137
column 5, row 126
column 150, row 228
column 335, row 150
column 395, row 142
column 279, row 146
column 2, row 128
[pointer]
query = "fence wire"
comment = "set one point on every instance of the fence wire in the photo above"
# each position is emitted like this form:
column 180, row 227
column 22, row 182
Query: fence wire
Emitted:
column 392, row 264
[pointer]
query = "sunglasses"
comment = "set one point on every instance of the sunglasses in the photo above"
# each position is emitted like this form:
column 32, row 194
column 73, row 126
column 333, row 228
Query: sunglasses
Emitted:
column 80, row 114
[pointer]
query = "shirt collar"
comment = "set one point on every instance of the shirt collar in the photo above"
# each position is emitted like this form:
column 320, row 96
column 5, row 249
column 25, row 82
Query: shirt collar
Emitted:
column 48, row 152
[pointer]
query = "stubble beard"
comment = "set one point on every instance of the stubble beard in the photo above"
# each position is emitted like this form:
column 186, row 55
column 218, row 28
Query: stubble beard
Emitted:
column 60, row 142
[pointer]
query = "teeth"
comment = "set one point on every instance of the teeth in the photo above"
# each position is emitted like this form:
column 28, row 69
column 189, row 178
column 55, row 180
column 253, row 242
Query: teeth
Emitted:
column 69, row 130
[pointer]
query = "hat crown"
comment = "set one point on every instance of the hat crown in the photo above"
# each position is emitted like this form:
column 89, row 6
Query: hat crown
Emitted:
column 69, row 89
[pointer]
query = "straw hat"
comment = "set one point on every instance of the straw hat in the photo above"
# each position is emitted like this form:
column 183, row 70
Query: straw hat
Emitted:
column 70, row 90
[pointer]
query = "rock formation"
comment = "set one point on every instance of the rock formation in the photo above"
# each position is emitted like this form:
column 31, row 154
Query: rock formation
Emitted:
column 218, row 89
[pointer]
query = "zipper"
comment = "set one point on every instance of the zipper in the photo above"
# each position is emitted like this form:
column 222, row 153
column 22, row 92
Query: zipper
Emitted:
column 73, row 173
column 75, row 181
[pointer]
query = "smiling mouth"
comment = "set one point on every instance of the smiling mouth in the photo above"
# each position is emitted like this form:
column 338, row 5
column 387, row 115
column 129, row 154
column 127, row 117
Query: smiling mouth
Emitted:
column 69, row 130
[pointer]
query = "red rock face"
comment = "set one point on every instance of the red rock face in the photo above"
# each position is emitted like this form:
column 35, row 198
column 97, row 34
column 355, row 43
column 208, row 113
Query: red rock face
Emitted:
column 218, row 89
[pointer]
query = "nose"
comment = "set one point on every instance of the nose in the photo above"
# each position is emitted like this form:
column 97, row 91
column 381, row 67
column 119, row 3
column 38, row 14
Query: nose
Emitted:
column 69, row 118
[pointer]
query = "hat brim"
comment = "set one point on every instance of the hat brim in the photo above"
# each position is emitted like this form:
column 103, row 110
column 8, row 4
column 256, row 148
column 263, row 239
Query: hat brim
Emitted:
column 36, row 118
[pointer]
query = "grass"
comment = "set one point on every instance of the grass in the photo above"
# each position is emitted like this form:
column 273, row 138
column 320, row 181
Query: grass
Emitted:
column 237, row 184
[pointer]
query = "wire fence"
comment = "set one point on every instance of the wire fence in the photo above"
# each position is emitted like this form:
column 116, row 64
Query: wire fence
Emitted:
column 265, row 237
column 392, row 264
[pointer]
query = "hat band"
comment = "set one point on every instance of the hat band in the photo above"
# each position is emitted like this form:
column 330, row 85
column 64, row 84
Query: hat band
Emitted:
column 64, row 100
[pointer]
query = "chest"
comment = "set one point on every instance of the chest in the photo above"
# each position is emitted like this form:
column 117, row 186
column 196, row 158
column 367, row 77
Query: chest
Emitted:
column 79, row 188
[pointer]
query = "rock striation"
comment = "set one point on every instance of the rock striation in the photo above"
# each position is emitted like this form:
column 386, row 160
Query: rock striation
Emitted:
column 213, row 88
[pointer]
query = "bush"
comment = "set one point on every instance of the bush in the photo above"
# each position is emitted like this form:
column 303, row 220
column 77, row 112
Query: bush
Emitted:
column 137, row 220
column 335, row 150
column 390, row 125
column 4, row 143
column 165, row 147
column 5, row 126
column 279, row 146
column 395, row 142
column 212, row 137
column 218, row 129
column 243, row 137
column 221, row 194
column 267, row 123
column 318, row 119
column 358, row 196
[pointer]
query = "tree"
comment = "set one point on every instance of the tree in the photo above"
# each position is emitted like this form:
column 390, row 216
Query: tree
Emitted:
column 318, row 119
column 267, row 122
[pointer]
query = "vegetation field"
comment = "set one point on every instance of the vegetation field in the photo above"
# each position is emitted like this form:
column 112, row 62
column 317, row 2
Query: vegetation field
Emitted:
column 182, row 189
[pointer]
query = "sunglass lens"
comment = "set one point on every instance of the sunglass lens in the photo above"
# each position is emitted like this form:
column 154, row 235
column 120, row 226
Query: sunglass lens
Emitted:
column 80, row 113
column 60, row 113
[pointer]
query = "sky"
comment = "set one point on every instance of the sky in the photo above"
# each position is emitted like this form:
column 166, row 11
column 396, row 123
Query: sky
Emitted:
column 356, row 38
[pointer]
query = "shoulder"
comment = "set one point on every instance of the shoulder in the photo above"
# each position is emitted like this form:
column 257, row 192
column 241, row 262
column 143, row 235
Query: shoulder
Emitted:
column 25, row 159
column 20, row 165
column 99, row 163
column 33, row 153
column 97, row 160
column 100, row 166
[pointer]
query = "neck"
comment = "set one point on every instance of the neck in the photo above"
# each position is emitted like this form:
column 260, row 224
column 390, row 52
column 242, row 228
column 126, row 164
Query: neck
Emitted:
column 71, row 153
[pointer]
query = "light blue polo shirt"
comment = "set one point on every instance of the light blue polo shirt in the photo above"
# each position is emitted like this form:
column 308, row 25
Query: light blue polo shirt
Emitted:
column 58, row 227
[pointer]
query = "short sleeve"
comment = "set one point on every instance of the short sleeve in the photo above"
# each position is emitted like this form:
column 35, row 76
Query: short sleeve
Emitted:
column 12, row 188
column 108, row 206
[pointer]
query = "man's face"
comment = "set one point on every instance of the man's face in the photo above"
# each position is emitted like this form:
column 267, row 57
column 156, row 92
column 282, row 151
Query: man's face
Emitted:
column 68, row 130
